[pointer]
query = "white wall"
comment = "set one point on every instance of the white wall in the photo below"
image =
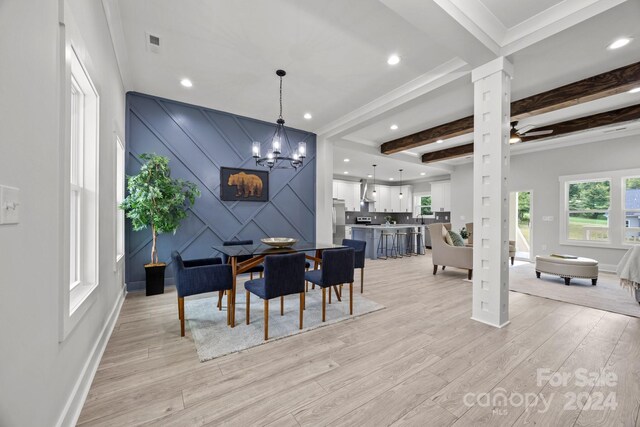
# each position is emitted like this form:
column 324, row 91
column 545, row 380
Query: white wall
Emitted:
column 43, row 380
column 539, row 172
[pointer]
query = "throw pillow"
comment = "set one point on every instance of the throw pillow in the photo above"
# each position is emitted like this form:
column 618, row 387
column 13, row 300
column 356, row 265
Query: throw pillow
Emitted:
column 447, row 238
column 456, row 238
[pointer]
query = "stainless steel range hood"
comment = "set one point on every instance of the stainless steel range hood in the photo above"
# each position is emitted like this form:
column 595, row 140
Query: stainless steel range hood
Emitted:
column 366, row 193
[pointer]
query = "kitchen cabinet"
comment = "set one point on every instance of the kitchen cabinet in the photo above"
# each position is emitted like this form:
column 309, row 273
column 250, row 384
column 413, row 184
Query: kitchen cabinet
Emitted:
column 388, row 199
column 441, row 196
column 349, row 192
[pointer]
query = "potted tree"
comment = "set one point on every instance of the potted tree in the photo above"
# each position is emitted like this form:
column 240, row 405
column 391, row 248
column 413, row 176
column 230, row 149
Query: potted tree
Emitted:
column 158, row 201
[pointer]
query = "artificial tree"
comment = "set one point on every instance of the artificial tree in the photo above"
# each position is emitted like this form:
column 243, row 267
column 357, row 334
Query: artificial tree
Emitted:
column 158, row 201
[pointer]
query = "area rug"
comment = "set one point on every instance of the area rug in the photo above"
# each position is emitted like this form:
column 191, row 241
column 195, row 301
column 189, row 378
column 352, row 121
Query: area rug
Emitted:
column 213, row 338
column 606, row 295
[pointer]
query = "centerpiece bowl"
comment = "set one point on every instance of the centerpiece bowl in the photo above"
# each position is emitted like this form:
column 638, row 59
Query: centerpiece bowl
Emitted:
column 279, row 242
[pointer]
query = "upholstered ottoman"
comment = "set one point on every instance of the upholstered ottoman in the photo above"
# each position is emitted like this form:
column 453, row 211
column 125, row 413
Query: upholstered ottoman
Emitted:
column 568, row 268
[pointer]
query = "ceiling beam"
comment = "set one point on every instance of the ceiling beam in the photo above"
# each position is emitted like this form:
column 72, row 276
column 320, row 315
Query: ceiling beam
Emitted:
column 448, row 153
column 608, row 118
column 589, row 89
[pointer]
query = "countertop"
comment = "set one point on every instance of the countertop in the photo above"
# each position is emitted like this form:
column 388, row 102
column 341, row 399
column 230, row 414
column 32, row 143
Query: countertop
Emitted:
column 392, row 226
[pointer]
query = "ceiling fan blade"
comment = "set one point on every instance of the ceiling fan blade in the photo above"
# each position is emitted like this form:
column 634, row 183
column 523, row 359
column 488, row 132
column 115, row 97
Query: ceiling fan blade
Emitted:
column 538, row 133
column 525, row 129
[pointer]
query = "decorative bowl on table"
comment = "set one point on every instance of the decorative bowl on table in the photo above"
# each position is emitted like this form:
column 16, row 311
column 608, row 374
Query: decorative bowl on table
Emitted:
column 279, row 242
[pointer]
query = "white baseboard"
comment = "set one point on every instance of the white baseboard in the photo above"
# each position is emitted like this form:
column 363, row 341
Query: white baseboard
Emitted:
column 607, row 268
column 73, row 407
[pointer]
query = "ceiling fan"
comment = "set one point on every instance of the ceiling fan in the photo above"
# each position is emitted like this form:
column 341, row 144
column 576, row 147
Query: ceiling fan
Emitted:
column 523, row 132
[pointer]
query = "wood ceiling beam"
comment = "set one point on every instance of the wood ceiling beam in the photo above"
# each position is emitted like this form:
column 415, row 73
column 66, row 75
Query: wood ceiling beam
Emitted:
column 448, row 153
column 589, row 89
column 608, row 118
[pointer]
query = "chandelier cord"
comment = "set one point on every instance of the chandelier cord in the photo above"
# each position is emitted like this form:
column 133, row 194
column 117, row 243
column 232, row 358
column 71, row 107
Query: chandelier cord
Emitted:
column 280, row 96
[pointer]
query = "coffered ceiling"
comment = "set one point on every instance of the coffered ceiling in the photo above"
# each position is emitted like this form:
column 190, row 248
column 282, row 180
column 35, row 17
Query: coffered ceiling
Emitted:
column 335, row 53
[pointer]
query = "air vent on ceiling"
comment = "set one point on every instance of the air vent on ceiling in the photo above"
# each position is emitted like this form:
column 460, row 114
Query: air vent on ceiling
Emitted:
column 153, row 42
column 620, row 129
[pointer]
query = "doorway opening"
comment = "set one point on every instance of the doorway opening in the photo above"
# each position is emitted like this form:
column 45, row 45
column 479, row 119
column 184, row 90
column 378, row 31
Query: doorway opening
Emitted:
column 520, row 230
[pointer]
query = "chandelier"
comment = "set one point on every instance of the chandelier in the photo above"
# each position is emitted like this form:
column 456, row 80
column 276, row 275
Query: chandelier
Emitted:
column 275, row 157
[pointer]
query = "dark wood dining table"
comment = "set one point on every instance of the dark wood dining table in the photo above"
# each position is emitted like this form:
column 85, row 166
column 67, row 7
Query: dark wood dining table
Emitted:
column 258, row 252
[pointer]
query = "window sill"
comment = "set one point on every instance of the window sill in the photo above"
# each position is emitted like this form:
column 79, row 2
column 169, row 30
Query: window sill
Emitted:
column 80, row 300
column 603, row 245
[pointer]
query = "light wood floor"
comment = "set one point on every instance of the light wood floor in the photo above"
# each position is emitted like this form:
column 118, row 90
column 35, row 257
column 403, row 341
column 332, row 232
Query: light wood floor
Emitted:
column 410, row 364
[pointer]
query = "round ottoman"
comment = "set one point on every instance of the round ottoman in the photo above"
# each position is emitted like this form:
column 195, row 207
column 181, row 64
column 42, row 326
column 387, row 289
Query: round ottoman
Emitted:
column 568, row 268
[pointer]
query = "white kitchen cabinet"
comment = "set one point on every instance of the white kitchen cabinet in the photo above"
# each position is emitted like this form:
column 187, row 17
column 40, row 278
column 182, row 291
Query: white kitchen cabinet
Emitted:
column 394, row 199
column 441, row 196
column 384, row 196
column 349, row 192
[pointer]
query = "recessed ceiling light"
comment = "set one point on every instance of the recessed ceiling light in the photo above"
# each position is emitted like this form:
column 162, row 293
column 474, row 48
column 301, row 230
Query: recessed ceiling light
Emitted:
column 439, row 141
column 346, row 172
column 393, row 60
column 621, row 42
column 307, row 116
column 186, row 83
column 635, row 90
column 423, row 173
column 393, row 127
column 390, row 179
column 347, row 160
column 369, row 176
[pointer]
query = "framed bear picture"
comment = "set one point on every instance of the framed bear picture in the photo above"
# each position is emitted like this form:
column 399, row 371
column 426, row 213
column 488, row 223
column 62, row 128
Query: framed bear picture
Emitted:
column 245, row 185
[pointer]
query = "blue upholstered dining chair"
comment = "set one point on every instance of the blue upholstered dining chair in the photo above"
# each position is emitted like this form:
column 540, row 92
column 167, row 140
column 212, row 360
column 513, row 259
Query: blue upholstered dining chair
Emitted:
column 198, row 277
column 225, row 258
column 359, row 246
column 337, row 269
column 283, row 275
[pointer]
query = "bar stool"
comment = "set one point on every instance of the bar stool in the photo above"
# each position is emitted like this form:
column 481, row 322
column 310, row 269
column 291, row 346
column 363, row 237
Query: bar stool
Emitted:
column 383, row 245
column 415, row 242
column 401, row 239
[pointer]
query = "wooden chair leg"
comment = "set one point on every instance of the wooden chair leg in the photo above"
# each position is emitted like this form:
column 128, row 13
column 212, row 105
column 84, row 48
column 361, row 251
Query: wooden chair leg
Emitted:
column 435, row 269
column 443, row 267
column 512, row 259
column 220, row 293
column 228, row 296
column 351, row 298
column 281, row 305
column 340, row 293
column 301, row 307
column 266, row 319
column 181, row 315
column 324, row 309
column 261, row 274
column 251, row 276
column 329, row 295
column 248, row 303
column 470, row 274
column 306, row 286
column 362, row 280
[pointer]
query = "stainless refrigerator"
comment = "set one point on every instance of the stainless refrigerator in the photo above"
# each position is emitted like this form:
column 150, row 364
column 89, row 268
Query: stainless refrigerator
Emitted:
column 338, row 221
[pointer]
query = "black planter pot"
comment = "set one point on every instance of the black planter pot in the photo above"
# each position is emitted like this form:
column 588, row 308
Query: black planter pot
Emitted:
column 155, row 278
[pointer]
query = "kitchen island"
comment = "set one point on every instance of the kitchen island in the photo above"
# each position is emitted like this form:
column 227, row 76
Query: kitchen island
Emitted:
column 371, row 235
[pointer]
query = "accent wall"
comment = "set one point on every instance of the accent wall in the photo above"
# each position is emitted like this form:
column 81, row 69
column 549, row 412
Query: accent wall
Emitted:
column 199, row 141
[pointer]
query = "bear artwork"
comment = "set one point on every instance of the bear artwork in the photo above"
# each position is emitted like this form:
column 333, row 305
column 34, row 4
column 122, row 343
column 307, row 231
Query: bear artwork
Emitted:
column 247, row 185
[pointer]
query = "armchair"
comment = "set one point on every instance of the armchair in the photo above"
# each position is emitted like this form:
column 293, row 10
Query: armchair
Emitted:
column 200, row 276
column 446, row 255
column 512, row 243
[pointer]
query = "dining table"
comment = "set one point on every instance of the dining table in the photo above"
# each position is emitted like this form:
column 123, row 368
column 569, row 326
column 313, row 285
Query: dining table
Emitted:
column 253, row 255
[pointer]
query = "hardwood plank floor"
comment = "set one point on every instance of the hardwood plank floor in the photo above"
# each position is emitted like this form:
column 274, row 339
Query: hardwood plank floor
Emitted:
column 414, row 363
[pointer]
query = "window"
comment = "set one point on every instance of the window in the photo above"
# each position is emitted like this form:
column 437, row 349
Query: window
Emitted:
column 422, row 205
column 631, row 194
column 588, row 210
column 120, row 184
column 83, row 183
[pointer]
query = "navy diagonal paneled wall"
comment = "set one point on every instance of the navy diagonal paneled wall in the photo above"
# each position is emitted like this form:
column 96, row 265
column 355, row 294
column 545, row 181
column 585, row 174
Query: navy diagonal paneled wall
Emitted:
column 198, row 141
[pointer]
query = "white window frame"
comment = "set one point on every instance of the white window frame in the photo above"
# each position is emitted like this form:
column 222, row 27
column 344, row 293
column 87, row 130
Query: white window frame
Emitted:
column 417, row 207
column 623, row 185
column 78, row 295
column 616, row 208
column 119, row 184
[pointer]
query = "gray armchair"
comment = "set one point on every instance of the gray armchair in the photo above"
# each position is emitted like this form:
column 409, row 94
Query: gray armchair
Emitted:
column 446, row 255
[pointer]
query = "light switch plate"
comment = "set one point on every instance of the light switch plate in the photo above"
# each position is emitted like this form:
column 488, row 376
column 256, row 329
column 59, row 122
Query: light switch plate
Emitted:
column 9, row 205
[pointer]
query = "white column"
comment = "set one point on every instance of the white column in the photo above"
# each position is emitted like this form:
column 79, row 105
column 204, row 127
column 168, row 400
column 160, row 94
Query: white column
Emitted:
column 324, row 190
column 492, row 115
